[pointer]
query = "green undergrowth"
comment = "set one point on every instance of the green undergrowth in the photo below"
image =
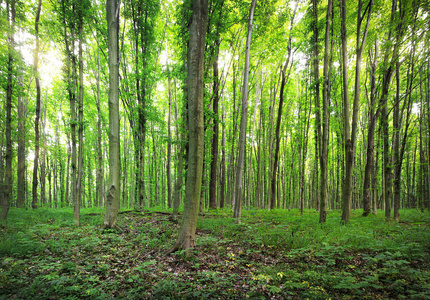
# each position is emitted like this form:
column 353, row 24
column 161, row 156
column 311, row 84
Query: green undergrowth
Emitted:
column 268, row 255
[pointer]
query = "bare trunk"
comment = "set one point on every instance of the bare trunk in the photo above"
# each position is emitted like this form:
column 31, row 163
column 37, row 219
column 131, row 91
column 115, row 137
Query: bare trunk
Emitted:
column 99, row 185
column 285, row 77
column 242, row 137
column 169, row 147
column 195, row 63
column 20, row 197
column 36, row 122
column 350, row 136
column 325, row 123
column 215, row 137
column 368, row 169
column 7, row 192
column 113, row 195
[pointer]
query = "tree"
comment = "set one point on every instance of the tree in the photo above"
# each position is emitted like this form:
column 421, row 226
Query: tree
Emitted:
column 372, row 117
column 195, row 67
column 285, row 76
column 350, row 136
column 7, row 193
column 36, row 122
column 325, row 119
column 242, row 136
column 113, row 194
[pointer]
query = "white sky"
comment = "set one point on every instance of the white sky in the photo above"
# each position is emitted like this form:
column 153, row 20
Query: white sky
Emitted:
column 50, row 61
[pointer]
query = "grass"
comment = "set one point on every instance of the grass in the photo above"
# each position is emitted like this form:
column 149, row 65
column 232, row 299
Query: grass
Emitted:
column 278, row 255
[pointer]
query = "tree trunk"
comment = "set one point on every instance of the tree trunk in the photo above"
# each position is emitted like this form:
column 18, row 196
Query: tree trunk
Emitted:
column 7, row 192
column 325, row 123
column 368, row 169
column 180, row 153
column 99, row 184
column 79, row 180
column 195, row 63
column 36, row 121
column 285, row 77
column 223, row 174
column 169, row 146
column 113, row 195
column 350, row 136
column 20, row 197
column 215, row 136
column 43, row 162
column 242, row 137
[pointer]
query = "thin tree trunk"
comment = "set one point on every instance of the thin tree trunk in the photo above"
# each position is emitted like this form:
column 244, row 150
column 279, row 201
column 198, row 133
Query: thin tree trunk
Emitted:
column 223, row 173
column 368, row 169
column 79, row 180
column 288, row 65
column 43, row 162
column 99, row 184
column 169, row 146
column 215, row 136
column 242, row 136
column 7, row 192
column 325, row 123
column 36, row 121
column 20, row 197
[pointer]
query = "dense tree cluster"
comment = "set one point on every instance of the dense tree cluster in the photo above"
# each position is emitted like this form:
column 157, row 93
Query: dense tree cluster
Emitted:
column 305, row 104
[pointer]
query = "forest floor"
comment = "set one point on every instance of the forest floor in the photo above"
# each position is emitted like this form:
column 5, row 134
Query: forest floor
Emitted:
column 269, row 255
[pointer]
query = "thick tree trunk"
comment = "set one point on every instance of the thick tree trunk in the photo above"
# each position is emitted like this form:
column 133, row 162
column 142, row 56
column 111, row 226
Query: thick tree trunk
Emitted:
column 242, row 136
column 195, row 62
column 113, row 195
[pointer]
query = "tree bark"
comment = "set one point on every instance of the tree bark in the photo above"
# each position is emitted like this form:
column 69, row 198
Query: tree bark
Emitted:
column 195, row 63
column 36, row 121
column 169, row 146
column 215, row 136
column 7, row 192
column 99, row 185
column 350, row 136
column 242, row 136
column 20, row 197
column 368, row 169
column 113, row 195
column 288, row 64
column 325, row 121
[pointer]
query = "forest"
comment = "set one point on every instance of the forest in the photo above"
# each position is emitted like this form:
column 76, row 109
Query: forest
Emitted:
column 222, row 149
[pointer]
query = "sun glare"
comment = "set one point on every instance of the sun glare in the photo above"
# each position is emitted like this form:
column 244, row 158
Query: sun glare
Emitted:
column 50, row 59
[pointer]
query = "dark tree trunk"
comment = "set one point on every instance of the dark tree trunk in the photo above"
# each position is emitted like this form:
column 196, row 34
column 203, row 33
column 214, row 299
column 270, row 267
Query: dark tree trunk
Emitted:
column 215, row 137
column 36, row 121
column 7, row 192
